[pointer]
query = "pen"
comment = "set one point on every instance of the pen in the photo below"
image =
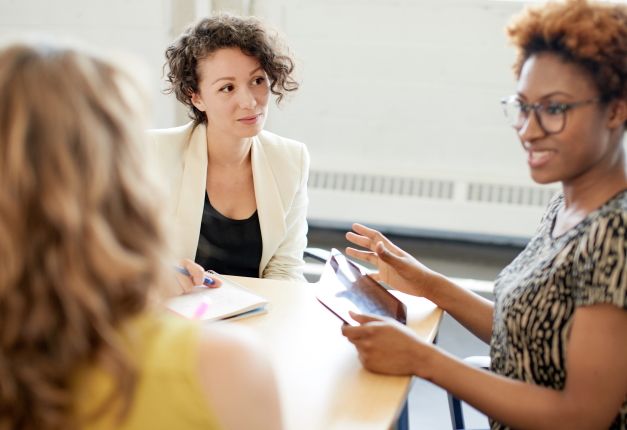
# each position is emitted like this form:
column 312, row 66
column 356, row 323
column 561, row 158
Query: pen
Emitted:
column 206, row 280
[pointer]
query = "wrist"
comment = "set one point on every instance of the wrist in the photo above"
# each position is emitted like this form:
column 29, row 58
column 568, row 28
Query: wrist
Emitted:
column 434, row 285
column 425, row 359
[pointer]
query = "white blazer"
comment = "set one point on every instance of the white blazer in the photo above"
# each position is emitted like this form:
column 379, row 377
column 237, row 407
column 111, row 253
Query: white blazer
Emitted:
column 280, row 171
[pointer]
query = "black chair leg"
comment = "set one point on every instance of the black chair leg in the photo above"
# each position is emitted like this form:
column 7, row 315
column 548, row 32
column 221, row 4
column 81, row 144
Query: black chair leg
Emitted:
column 455, row 407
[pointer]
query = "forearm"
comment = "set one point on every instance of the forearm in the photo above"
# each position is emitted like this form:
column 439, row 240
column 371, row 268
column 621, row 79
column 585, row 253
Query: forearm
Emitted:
column 287, row 261
column 469, row 309
column 285, row 268
column 518, row 404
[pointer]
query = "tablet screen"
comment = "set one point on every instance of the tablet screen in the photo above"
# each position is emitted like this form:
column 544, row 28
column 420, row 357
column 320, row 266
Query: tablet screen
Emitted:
column 344, row 287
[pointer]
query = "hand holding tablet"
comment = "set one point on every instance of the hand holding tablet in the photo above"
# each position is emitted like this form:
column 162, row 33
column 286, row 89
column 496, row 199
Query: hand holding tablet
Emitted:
column 345, row 287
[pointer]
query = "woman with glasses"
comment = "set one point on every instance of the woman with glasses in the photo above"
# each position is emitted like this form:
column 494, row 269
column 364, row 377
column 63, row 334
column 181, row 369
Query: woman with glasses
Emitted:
column 236, row 192
column 82, row 253
column 558, row 327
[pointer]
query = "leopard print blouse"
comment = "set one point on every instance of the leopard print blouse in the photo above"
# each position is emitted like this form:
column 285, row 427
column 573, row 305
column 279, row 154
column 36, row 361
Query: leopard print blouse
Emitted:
column 538, row 293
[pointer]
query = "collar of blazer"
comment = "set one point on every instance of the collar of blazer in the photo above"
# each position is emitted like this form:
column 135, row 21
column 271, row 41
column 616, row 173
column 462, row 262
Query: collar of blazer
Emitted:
column 192, row 196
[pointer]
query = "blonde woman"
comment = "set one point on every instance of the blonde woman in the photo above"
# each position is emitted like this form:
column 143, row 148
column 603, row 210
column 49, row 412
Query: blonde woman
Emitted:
column 81, row 249
column 236, row 192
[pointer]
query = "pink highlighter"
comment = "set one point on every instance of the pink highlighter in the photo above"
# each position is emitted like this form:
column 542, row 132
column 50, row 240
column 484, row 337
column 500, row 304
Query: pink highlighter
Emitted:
column 200, row 310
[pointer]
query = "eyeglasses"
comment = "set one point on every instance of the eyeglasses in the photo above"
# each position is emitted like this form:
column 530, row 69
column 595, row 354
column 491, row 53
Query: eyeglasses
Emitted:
column 551, row 116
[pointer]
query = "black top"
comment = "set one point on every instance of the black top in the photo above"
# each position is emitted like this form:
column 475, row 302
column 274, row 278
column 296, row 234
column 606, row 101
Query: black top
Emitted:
column 538, row 293
column 229, row 246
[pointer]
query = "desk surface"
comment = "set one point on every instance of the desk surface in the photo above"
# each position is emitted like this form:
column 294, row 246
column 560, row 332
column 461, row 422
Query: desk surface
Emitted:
column 321, row 382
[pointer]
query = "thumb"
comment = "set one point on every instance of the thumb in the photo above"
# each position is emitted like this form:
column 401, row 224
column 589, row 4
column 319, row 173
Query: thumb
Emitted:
column 384, row 254
column 364, row 318
column 196, row 272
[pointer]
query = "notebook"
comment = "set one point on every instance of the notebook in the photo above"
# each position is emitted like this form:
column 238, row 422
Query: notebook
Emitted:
column 344, row 287
column 229, row 301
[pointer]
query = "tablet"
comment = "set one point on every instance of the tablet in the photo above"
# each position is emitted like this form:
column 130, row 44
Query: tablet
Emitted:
column 344, row 287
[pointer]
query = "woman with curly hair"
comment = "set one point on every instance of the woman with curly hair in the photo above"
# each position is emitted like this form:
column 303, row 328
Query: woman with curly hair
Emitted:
column 82, row 250
column 557, row 329
column 238, row 193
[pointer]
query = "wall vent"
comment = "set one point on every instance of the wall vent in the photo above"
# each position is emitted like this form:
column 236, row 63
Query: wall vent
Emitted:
column 430, row 188
column 509, row 194
column 382, row 184
column 450, row 208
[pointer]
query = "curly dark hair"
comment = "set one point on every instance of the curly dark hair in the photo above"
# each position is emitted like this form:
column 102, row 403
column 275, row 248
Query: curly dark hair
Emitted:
column 590, row 34
column 226, row 31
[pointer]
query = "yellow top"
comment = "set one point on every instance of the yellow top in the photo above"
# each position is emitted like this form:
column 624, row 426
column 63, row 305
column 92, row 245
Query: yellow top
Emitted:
column 168, row 393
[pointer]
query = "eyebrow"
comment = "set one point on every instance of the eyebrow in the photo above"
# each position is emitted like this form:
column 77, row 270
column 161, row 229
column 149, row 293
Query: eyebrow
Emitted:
column 554, row 93
column 232, row 78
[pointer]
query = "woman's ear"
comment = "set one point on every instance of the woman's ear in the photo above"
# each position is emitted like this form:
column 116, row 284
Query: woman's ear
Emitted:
column 198, row 102
column 618, row 113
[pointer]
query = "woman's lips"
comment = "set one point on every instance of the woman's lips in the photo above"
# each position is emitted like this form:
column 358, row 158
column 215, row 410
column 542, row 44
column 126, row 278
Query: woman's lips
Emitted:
column 538, row 158
column 250, row 120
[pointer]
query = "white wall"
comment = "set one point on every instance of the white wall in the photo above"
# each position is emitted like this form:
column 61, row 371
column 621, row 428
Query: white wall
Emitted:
column 405, row 88
column 406, row 85
column 141, row 27
column 379, row 77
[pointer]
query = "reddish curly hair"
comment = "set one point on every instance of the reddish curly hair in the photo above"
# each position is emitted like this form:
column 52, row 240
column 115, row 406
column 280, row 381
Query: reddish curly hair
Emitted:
column 592, row 35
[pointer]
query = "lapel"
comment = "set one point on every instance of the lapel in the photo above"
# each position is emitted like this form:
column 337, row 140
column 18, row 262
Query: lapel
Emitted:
column 192, row 193
column 269, row 205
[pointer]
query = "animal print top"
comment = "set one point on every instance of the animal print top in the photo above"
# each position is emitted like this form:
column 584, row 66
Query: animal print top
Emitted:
column 538, row 293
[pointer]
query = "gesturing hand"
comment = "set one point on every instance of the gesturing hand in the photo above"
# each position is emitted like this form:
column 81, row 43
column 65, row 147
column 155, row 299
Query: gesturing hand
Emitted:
column 395, row 267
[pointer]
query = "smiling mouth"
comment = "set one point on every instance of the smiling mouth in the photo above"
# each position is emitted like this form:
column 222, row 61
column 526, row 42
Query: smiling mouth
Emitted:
column 537, row 158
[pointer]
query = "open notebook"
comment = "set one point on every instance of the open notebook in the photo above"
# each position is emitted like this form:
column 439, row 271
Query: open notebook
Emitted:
column 231, row 300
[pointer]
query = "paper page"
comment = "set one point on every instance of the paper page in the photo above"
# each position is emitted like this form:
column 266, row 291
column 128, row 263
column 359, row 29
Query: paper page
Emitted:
column 208, row 304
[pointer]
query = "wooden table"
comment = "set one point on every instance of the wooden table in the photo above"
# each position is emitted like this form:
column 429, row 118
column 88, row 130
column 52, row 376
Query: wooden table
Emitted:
column 322, row 385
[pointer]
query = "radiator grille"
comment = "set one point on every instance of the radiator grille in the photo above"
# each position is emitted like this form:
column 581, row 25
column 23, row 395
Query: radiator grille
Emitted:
column 430, row 188
column 509, row 194
column 382, row 184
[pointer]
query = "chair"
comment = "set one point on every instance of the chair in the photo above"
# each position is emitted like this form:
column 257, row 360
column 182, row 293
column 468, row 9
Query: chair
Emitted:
column 454, row 404
column 317, row 256
column 313, row 257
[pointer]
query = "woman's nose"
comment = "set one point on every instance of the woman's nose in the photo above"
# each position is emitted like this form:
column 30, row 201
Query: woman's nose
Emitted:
column 247, row 99
column 532, row 128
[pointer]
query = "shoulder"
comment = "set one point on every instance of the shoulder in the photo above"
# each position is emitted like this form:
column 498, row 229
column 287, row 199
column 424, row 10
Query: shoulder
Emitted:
column 167, row 146
column 181, row 130
column 173, row 135
column 287, row 158
column 161, row 333
column 269, row 139
column 282, row 147
column 608, row 225
column 236, row 375
column 599, row 267
column 209, row 352
column 601, row 238
column 236, row 346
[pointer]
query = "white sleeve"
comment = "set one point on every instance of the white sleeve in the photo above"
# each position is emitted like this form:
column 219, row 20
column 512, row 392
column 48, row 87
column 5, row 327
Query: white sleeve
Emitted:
column 287, row 262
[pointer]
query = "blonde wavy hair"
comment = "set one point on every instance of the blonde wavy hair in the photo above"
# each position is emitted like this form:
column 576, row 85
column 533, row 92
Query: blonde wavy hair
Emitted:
column 80, row 241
